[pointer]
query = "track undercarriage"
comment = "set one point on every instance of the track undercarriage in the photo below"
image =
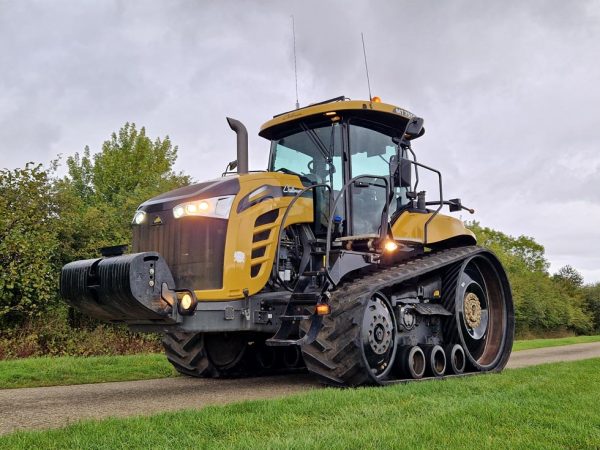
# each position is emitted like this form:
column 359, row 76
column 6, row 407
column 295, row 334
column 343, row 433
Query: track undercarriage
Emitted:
column 445, row 313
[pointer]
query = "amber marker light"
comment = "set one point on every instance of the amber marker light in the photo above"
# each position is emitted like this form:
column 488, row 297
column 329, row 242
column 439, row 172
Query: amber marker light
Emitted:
column 322, row 309
column 330, row 113
column 390, row 246
column 376, row 99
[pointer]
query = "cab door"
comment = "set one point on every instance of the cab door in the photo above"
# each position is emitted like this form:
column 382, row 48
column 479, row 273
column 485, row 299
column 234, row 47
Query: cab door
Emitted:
column 370, row 147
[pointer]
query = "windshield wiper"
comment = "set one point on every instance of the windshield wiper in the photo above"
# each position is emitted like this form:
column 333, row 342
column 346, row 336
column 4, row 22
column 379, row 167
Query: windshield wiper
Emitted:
column 316, row 141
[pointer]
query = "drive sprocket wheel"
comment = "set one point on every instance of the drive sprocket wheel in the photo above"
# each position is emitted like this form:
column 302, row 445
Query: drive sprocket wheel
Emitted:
column 478, row 294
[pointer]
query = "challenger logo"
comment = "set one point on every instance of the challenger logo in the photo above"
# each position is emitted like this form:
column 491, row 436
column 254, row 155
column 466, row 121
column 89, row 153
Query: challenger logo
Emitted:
column 157, row 221
column 290, row 190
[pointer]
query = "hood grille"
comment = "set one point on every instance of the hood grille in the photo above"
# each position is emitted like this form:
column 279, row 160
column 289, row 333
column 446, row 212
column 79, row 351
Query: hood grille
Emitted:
column 193, row 247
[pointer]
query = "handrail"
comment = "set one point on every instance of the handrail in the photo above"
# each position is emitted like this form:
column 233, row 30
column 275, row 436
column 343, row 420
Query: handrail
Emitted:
column 282, row 226
column 435, row 213
column 384, row 214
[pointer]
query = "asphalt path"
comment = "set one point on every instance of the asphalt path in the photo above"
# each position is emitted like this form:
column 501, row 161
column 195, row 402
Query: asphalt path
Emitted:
column 57, row 406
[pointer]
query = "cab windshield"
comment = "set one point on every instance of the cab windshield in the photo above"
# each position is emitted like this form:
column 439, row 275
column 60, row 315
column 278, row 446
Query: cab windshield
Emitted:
column 314, row 153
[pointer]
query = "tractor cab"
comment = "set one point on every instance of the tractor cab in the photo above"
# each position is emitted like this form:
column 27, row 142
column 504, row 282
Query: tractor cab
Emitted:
column 332, row 143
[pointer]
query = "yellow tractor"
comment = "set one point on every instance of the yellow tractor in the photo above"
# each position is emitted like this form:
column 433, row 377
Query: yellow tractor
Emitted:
column 331, row 260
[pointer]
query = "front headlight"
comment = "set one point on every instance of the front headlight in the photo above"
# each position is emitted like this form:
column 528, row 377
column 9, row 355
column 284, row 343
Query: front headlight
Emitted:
column 218, row 207
column 139, row 217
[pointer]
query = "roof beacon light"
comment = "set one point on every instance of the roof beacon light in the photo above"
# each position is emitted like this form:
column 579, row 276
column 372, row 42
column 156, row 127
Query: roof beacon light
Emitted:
column 376, row 99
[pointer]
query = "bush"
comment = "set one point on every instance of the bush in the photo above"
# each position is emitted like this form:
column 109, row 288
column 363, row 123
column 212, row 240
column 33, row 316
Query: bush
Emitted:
column 544, row 304
column 52, row 336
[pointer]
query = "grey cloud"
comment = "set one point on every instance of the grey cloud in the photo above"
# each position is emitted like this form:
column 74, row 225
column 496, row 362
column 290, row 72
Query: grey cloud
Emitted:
column 508, row 90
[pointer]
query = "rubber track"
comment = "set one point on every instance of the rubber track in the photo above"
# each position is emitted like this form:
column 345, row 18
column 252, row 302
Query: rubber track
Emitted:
column 187, row 354
column 185, row 351
column 335, row 356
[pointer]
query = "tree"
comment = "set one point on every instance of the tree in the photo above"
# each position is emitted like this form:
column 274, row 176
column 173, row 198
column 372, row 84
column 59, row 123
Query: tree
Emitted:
column 28, row 243
column 523, row 248
column 569, row 277
column 101, row 192
column 592, row 301
column 542, row 303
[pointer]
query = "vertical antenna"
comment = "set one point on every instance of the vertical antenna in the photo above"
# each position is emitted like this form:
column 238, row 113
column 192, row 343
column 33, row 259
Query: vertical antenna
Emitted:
column 366, row 66
column 295, row 66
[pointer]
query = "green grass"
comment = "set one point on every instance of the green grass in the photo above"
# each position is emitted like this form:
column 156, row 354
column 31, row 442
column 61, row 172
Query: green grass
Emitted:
column 550, row 406
column 541, row 343
column 64, row 370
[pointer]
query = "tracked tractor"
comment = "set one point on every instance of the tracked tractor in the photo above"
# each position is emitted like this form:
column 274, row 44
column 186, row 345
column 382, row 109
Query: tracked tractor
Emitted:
column 332, row 260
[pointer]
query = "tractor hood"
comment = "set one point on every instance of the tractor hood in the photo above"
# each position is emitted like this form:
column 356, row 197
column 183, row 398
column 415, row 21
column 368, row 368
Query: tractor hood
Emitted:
column 229, row 185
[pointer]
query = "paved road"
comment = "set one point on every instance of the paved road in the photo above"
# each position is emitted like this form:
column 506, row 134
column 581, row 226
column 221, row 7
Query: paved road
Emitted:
column 57, row 406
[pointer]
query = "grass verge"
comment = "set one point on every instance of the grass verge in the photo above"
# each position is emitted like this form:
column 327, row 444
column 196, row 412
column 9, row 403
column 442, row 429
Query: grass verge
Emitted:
column 542, row 343
column 550, row 406
column 64, row 370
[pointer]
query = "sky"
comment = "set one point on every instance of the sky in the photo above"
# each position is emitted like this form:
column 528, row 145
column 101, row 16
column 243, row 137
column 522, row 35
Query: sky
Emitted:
column 510, row 91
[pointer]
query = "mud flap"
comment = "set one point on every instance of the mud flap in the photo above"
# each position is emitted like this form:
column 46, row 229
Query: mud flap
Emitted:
column 125, row 288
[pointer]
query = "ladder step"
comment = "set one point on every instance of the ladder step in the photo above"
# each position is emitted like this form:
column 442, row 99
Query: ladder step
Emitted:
column 295, row 317
column 299, row 297
column 279, row 342
column 314, row 273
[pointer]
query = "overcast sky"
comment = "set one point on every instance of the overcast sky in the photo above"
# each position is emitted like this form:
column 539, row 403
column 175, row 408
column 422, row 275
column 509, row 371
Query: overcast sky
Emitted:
column 510, row 91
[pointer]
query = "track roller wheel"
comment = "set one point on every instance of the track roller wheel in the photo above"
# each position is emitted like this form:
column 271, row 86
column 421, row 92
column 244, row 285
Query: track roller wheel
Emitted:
column 483, row 322
column 455, row 355
column 412, row 362
column 436, row 360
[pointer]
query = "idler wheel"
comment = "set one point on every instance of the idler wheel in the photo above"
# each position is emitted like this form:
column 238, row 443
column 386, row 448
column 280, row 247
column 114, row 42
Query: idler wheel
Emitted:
column 378, row 337
column 225, row 350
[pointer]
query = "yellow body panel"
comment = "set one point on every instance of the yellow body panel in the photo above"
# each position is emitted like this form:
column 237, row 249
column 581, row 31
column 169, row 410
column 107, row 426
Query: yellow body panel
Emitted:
column 410, row 226
column 338, row 107
column 241, row 229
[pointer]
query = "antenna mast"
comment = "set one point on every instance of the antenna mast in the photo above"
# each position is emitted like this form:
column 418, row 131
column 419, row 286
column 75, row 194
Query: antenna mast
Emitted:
column 295, row 66
column 366, row 66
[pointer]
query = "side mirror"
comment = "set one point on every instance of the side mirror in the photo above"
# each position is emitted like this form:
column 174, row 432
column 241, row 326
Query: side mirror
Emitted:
column 455, row 205
column 232, row 165
column 414, row 129
column 401, row 172
column 405, row 173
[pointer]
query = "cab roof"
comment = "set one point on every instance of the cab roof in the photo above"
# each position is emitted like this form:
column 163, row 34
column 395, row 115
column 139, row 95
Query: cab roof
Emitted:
column 340, row 107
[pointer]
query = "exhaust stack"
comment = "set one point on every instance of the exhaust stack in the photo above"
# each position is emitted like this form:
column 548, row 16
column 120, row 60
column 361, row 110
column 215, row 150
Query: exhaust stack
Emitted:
column 242, row 144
